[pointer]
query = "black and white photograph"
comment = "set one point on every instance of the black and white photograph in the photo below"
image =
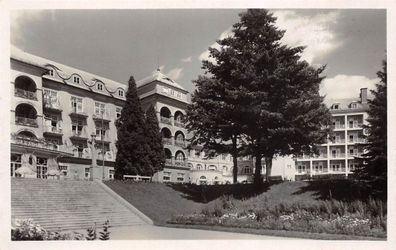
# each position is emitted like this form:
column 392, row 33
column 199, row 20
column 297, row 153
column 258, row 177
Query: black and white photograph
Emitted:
column 259, row 125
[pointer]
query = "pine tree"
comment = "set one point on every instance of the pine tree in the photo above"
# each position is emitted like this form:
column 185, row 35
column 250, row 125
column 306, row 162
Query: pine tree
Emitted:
column 132, row 148
column 105, row 234
column 373, row 167
column 268, row 94
column 154, row 140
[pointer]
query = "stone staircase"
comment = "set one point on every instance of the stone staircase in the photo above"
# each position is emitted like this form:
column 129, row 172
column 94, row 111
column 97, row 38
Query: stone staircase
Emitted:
column 61, row 205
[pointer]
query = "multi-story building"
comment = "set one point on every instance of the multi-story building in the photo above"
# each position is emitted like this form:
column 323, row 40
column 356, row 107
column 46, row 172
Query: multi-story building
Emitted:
column 56, row 111
column 337, row 156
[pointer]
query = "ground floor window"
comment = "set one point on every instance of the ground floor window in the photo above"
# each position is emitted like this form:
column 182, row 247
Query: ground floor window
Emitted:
column 41, row 168
column 15, row 164
column 63, row 170
column 335, row 167
column 87, row 173
column 202, row 180
column 166, row 176
column 111, row 173
column 180, row 177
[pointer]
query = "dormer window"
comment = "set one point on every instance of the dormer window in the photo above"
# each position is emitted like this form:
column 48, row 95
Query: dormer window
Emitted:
column 99, row 86
column 51, row 72
column 76, row 79
column 354, row 105
column 121, row 93
column 335, row 106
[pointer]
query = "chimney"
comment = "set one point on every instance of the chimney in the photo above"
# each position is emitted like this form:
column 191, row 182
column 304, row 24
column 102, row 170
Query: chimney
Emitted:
column 363, row 95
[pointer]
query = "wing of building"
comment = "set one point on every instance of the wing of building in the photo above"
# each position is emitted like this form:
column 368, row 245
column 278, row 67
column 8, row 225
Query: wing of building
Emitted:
column 57, row 110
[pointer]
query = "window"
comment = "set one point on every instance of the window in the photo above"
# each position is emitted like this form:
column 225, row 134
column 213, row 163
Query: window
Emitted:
column 63, row 170
column 180, row 177
column 87, row 173
column 50, row 97
column 335, row 167
column 351, row 138
column 99, row 86
column 52, row 122
column 51, row 72
column 111, row 173
column 166, row 176
column 100, row 108
column 76, row 103
column 118, row 112
column 41, row 167
column 79, row 148
column 121, row 93
column 335, row 106
column 76, row 79
column 354, row 105
column 77, row 126
column 247, row 170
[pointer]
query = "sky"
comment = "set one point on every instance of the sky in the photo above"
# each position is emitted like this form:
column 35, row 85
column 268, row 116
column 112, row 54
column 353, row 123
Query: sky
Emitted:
column 119, row 43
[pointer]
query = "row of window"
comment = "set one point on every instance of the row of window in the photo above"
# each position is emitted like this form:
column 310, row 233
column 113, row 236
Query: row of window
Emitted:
column 167, row 176
column 99, row 86
column 337, row 106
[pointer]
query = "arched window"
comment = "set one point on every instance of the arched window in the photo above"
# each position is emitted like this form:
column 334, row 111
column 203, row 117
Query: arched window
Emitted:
column 179, row 139
column 26, row 114
column 225, row 169
column 202, row 180
column 99, row 86
column 27, row 134
column 199, row 167
column 25, row 87
column 179, row 119
column 179, row 156
column 212, row 168
column 165, row 116
column 166, row 136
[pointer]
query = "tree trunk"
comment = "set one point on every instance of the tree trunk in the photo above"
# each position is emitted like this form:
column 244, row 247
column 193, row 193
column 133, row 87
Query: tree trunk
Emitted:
column 257, row 173
column 235, row 160
column 268, row 167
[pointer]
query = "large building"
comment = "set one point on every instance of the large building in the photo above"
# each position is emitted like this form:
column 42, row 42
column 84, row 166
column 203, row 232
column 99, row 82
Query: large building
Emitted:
column 57, row 112
column 337, row 157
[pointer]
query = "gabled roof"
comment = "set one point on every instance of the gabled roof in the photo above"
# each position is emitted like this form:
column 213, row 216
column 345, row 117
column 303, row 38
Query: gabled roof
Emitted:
column 65, row 72
column 158, row 76
column 344, row 103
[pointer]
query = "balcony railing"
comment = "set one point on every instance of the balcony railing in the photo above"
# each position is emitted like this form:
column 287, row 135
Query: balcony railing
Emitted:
column 105, row 116
column 26, row 121
column 355, row 125
column 25, row 94
column 180, row 124
column 357, row 140
column 166, row 120
column 105, row 137
column 53, row 129
column 77, row 112
column 336, row 141
column 180, row 163
column 167, row 141
column 180, row 143
column 52, row 104
column 338, row 155
column 37, row 143
column 338, row 126
column 168, row 162
column 79, row 133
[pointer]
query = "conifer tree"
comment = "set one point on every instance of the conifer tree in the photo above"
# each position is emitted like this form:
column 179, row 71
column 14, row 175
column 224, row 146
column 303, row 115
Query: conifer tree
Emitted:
column 373, row 167
column 154, row 140
column 272, row 95
column 132, row 148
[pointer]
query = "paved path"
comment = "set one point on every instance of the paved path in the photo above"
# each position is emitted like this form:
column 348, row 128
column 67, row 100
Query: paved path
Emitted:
column 148, row 232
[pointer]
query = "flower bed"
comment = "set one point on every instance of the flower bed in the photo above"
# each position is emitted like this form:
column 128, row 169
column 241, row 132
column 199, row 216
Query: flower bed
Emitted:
column 333, row 217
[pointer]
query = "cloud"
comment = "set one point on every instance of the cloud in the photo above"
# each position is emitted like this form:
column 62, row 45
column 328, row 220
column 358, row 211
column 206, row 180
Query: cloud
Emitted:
column 312, row 31
column 19, row 19
column 205, row 55
column 345, row 86
column 187, row 59
column 175, row 73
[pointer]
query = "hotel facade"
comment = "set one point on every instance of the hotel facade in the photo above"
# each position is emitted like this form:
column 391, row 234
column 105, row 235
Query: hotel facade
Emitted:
column 57, row 112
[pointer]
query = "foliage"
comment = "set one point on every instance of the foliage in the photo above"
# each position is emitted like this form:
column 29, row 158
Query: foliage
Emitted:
column 154, row 140
column 329, row 216
column 27, row 229
column 268, row 96
column 132, row 148
column 373, row 165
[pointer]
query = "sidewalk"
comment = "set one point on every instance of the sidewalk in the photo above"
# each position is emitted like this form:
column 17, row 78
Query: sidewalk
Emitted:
column 148, row 232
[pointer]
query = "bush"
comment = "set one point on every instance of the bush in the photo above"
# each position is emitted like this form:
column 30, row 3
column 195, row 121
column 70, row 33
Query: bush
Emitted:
column 27, row 229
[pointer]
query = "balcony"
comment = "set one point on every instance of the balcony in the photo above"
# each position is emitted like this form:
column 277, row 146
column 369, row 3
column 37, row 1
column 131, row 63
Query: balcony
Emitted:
column 79, row 134
column 338, row 141
column 52, row 130
column 25, row 94
column 166, row 120
column 338, row 155
column 167, row 141
column 168, row 162
column 78, row 113
column 357, row 140
column 180, row 143
column 180, row 124
column 338, row 126
column 105, row 116
column 180, row 163
column 26, row 121
column 53, row 105
column 104, row 138
column 38, row 143
column 355, row 125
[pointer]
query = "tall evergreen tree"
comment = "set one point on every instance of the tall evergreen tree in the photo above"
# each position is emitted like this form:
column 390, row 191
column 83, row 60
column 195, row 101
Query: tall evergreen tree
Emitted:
column 154, row 140
column 132, row 148
column 374, row 162
column 272, row 94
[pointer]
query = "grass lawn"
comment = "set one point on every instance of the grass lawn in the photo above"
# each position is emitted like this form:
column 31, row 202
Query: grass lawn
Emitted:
column 162, row 202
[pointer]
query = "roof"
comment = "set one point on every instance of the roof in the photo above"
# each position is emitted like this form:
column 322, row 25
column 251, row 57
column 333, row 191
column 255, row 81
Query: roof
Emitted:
column 344, row 104
column 65, row 72
column 158, row 76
